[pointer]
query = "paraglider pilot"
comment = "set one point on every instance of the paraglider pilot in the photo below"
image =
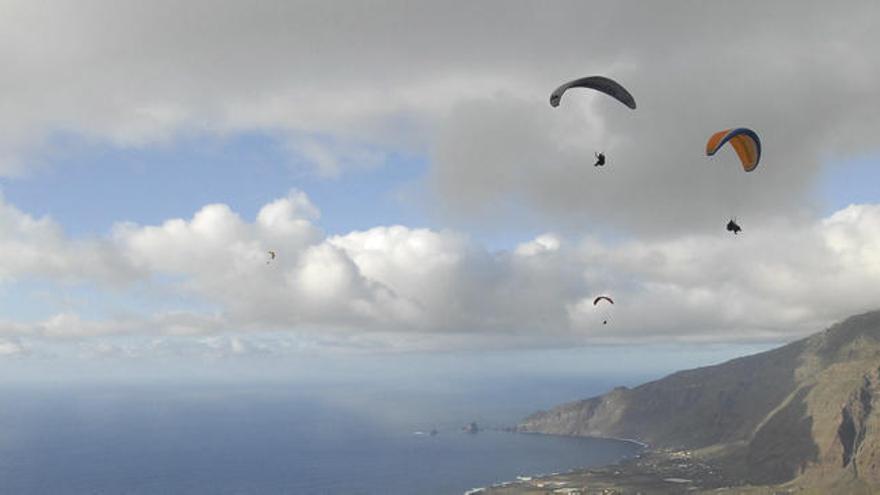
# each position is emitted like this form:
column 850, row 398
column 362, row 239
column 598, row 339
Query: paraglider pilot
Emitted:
column 600, row 160
column 733, row 227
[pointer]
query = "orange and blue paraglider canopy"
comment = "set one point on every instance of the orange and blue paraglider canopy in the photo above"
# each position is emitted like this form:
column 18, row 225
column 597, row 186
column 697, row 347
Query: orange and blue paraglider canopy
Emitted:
column 744, row 141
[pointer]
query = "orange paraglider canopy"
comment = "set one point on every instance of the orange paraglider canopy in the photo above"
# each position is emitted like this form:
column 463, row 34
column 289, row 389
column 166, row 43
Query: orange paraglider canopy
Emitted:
column 744, row 141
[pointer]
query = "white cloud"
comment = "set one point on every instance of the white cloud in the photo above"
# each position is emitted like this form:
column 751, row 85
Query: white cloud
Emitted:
column 547, row 243
column 402, row 288
column 31, row 247
column 11, row 347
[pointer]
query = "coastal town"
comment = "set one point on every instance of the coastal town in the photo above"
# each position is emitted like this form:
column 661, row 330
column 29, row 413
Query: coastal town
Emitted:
column 662, row 472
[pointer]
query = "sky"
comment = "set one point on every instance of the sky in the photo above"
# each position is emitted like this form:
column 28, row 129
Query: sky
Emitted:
column 421, row 195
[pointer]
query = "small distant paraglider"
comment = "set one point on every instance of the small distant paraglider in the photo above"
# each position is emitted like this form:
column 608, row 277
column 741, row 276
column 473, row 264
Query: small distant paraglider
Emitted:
column 747, row 145
column 598, row 300
column 600, row 160
column 271, row 257
column 599, row 83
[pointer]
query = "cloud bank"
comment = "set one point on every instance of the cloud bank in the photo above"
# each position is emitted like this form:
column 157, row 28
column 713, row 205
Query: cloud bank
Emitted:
column 464, row 85
column 398, row 287
column 467, row 85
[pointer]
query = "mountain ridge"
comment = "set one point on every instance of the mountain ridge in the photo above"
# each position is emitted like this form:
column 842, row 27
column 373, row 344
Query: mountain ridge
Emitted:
column 804, row 412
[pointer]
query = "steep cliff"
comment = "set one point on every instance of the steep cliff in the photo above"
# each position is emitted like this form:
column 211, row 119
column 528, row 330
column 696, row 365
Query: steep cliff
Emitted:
column 808, row 410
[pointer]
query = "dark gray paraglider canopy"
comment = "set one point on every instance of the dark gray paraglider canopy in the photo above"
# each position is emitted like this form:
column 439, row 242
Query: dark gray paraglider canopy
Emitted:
column 599, row 83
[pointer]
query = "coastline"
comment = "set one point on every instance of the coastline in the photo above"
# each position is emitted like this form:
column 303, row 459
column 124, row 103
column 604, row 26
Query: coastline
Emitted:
column 527, row 483
column 643, row 445
column 649, row 472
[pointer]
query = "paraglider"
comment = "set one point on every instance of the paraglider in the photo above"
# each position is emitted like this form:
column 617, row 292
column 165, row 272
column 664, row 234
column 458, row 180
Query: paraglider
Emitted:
column 598, row 83
column 600, row 298
column 747, row 145
column 601, row 84
column 271, row 257
column 744, row 141
column 603, row 298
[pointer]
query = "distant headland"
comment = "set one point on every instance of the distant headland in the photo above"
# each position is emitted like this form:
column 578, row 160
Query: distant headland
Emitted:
column 804, row 415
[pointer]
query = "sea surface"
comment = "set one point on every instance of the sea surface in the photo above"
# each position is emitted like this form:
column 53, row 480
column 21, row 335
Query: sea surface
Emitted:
column 271, row 439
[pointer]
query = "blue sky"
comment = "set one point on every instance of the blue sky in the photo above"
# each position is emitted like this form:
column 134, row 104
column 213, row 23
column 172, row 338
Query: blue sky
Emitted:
column 851, row 180
column 88, row 187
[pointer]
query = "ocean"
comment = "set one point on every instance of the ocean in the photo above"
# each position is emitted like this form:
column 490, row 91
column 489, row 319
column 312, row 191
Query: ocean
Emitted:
column 225, row 439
